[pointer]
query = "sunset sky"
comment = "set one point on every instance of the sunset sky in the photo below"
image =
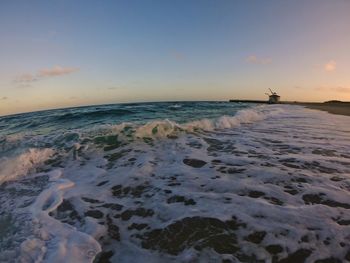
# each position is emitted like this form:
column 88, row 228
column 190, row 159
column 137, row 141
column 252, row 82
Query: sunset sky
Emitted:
column 68, row 53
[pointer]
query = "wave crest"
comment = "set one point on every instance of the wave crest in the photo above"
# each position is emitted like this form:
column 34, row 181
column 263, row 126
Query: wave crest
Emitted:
column 21, row 165
column 165, row 128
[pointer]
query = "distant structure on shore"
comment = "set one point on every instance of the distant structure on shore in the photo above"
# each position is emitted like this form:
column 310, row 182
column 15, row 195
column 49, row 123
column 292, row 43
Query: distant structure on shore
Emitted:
column 273, row 97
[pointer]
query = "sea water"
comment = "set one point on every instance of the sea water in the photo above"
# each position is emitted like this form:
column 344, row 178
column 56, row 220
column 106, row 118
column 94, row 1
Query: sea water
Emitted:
column 175, row 182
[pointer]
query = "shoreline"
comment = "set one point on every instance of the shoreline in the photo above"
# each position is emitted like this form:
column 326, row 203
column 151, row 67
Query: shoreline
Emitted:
column 333, row 108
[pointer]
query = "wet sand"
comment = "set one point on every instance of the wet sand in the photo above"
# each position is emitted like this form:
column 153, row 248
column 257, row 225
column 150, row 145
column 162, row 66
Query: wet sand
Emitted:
column 334, row 108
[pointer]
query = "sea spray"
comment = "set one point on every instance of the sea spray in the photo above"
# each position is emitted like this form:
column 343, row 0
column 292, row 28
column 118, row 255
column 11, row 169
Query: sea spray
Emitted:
column 18, row 166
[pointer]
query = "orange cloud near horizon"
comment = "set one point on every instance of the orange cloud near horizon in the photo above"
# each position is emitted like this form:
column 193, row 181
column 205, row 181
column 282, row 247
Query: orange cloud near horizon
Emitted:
column 330, row 66
column 56, row 71
column 45, row 73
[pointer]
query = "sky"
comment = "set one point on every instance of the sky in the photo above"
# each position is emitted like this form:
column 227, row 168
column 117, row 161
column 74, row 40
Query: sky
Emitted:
column 66, row 53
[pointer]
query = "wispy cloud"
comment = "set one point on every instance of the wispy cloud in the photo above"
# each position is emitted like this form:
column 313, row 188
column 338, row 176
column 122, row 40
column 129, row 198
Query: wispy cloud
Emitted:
column 330, row 66
column 24, row 80
column 253, row 59
column 56, row 71
column 4, row 98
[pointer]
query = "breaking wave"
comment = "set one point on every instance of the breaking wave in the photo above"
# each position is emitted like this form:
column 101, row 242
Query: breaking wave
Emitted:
column 207, row 182
column 164, row 128
column 20, row 165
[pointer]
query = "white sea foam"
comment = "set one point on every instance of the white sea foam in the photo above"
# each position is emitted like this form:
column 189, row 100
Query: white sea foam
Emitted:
column 261, row 166
column 164, row 128
column 18, row 166
column 225, row 122
column 175, row 106
column 55, row 241
column 259, row 149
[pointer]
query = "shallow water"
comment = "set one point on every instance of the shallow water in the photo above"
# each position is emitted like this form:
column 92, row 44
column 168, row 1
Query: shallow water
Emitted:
column 175, row 182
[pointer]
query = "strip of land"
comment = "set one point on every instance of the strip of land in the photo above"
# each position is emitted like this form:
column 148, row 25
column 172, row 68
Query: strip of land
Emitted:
column 340, row 108
column 334, row 107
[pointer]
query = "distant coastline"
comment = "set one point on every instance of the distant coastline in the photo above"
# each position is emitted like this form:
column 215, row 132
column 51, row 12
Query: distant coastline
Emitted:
column 332, row 106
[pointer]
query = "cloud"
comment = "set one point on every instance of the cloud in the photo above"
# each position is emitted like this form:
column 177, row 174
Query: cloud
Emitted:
column 56, row 71
column 330, row 66
column 4, row 98
column 24, row 80
column 252, row 59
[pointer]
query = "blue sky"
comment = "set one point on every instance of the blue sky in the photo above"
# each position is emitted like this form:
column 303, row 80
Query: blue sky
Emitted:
column 67, row 53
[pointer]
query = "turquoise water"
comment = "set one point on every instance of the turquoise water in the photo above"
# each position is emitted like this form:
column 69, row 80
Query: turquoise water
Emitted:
column 61, row 128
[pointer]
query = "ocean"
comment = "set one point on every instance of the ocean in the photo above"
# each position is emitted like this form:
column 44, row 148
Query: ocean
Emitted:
column 175, row 182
